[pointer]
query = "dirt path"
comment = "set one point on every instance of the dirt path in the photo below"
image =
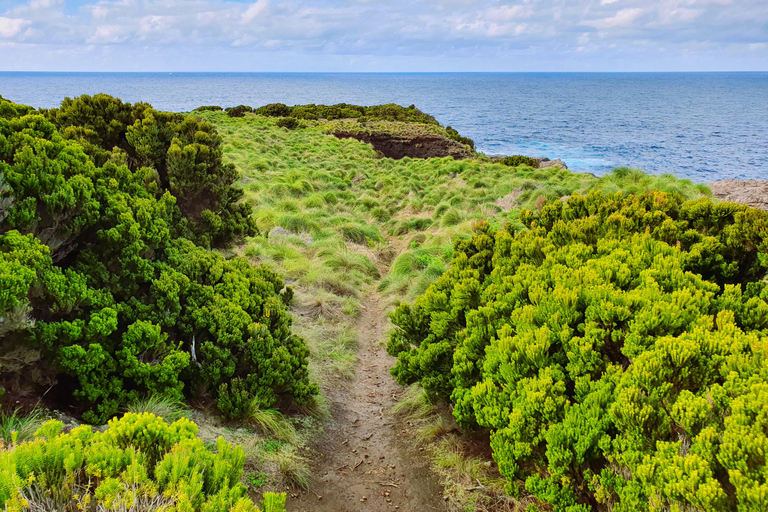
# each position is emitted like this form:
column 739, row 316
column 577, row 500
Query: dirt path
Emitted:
column 367, row 459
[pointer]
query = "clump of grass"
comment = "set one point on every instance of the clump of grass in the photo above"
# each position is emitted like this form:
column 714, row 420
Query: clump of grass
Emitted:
column 168, row 408
column 415, row 403
column 18, row 426
column 347, row 261
column 273, row 424
column 293, row 467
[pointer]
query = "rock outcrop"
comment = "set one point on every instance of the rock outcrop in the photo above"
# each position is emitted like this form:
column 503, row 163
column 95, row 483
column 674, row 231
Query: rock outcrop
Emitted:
column 751, row 192
column 544, row 163
column 414, row 145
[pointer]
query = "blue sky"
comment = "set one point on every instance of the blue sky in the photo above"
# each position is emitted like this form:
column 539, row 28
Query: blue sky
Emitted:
column 394, row 35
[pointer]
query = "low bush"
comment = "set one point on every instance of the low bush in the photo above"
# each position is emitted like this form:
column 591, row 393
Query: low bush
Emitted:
column 517, row 160
column 208, row 108
column 388, row 112
column 140, row 462
column 615, row 348
column 238, row 111
column 289, row 123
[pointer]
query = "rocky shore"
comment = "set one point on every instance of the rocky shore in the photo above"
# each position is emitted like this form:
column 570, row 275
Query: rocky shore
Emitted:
column 751, row 192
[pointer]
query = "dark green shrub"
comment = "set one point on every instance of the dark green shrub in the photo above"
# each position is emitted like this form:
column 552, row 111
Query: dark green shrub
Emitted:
column 208, row 108
column 103, row 301
column 273, row 110
column 175, row 153
column 389, row 112
column 615, row 349
column 290, row 123
column 238, row 111
column 517, row 160
column 453, row 134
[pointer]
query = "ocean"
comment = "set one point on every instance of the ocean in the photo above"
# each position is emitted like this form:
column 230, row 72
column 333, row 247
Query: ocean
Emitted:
column 700, row 126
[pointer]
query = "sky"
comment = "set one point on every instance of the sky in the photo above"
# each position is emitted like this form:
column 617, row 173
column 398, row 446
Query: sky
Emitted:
column 384, row 36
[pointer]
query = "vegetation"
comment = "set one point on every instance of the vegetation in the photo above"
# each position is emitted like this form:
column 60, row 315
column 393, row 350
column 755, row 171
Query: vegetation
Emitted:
column 608, row 332
column 108, row 290
column 140, row 462
column 515, row 160
column 388, row 112
column 615, row 348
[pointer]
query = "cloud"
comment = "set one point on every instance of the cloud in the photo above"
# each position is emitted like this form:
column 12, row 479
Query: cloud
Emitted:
column 623, row 18
column 397, row 29
column 254, row 11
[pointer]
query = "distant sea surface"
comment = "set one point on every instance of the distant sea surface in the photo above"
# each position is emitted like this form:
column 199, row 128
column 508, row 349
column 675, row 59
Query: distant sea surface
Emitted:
column 700, row 126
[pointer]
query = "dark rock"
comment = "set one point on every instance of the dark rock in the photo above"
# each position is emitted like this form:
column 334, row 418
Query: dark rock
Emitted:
column 750, row 192
column 422, row 145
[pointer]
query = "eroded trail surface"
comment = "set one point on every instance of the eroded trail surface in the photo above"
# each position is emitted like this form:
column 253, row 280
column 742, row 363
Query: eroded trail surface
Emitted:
column 367, row 459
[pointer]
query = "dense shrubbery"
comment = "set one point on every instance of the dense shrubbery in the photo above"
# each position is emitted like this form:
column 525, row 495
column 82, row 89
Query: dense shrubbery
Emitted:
column 454, row 134
column 102, row 295
column 388, row 112
column 616, row 349
column 180, row 154
column 208, row 108
column 139, row 462
column 515, row 160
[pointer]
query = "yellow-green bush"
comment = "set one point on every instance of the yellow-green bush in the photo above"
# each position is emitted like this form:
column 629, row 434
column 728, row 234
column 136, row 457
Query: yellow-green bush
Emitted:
column 140, row 462
column 616, row 350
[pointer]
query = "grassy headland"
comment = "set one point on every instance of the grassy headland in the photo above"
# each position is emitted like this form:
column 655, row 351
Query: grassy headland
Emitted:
column 338, row 222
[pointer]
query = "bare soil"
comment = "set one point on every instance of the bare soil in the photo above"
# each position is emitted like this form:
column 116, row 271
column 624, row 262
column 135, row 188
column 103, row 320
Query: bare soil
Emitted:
column 367, row 459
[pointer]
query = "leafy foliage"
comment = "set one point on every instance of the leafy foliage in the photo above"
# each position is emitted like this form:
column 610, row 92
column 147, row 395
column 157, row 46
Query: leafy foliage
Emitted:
column 102, row 295
column 175, row 153
column 388, row 112
column 138, row 463
column 516, row 160
column 615, row 349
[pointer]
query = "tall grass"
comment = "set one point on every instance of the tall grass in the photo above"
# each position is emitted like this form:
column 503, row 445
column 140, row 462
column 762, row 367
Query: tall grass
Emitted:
column 18, row 426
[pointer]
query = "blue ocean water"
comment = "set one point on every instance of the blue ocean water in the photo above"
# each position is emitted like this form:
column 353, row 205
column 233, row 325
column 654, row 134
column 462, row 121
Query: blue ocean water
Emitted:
column 701, row 126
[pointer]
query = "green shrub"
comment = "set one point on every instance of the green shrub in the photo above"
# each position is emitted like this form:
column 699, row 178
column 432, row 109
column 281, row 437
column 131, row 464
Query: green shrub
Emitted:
column 388, row 112
column 517, row 160
column 208, row 108
column 137, row 462
column 167, row 152
column 102, row 295
column 453, row 134
column 289, row 123
column 616, row 350
column 238, row 111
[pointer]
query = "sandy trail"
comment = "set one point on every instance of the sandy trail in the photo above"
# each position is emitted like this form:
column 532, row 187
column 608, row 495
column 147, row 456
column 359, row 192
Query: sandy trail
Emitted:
column 367, row 460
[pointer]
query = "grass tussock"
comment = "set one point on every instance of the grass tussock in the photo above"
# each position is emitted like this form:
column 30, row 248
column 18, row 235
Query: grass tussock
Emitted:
column 18, row 426
column 415, row 404
column 170, row 409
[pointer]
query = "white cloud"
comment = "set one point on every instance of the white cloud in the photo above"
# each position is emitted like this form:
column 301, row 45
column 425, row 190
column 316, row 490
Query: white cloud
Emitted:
column 623, row 18
column 428, row 29
column 254, row 11
column 9, row 27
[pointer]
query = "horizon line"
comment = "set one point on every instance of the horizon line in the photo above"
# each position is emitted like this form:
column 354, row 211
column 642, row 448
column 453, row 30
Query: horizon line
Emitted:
column 391, row 72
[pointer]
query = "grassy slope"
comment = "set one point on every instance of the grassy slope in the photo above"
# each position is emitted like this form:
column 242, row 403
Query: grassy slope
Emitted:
column 352, row 217
column 350, row 210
